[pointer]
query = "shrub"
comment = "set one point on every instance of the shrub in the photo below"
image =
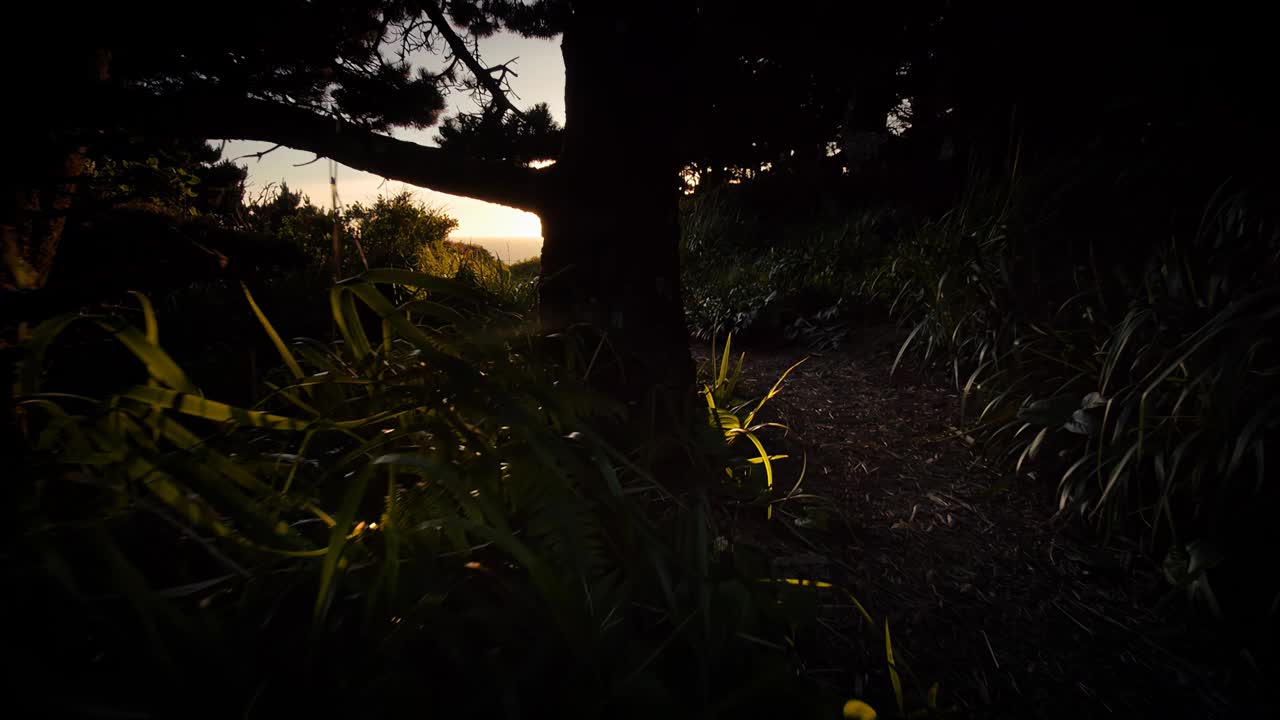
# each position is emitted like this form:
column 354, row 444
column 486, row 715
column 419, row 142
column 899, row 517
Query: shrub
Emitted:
column 751, row 467
column 447, row 259
column 526, row 271
column 394, row 230
column 422, row 514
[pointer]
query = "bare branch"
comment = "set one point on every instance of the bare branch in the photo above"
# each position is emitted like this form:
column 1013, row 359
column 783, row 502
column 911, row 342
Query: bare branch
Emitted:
column 258, row 155
column 504, row 69
column 414, row 36
column 460, row 50
column 448, row 70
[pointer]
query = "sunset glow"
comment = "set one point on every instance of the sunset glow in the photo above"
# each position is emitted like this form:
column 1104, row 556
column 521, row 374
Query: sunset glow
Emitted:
column 540, row 78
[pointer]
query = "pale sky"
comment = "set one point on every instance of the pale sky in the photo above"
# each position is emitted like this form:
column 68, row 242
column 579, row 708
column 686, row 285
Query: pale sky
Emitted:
column 541, row 79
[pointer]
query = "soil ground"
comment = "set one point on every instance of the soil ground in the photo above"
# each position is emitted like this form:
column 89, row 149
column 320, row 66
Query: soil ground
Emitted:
column 1012, row 611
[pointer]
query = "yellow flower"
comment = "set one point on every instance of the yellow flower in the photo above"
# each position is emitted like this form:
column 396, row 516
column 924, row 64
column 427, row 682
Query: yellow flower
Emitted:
column 858, row 710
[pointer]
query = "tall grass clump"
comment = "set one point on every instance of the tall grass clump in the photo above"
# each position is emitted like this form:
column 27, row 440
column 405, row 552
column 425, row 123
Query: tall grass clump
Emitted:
column 421, row 514
column 750, row 466
column 1151, row 388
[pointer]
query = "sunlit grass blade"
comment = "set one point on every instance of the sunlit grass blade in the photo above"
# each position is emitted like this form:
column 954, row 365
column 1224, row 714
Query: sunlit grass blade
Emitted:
column 338, row 538
column 773, row 392
column 211, row 410
column 893, row 671
column 285, row 354
column 150, row 326
column 159, row 365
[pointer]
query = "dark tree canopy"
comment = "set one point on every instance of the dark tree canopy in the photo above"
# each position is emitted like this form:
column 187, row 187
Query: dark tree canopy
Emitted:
column 324, row 76
column 504, row 137
column 650, row 89
column 778, row 88
column 783, row 89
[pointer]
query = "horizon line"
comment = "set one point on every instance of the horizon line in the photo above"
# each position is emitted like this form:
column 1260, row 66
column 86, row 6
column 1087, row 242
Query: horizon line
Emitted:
column 496, row 237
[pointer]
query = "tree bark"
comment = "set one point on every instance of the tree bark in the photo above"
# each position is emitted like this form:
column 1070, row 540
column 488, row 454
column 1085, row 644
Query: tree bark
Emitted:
column 42, row 169
column 864, row 132
column 33, row 217
column 611, row 233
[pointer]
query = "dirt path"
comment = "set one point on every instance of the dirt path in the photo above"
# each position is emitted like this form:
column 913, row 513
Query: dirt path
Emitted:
column 1013, row 613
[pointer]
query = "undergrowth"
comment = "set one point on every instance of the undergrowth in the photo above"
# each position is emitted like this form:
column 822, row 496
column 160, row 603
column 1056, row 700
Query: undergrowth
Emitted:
column 422, row 514
column 1140, row 378
column 1147, row 394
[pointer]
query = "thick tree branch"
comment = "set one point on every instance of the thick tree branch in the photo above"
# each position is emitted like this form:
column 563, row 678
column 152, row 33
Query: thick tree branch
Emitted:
column 460, row 51
column 211, row 116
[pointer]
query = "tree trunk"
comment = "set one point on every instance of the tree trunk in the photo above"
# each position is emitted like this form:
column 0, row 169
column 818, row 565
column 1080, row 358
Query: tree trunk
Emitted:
column 42, row 168
column 864, row 131
column 610, row 215
column 32, row 218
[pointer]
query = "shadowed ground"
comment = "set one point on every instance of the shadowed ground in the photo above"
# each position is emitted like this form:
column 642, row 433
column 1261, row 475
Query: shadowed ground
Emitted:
column 1013, row 612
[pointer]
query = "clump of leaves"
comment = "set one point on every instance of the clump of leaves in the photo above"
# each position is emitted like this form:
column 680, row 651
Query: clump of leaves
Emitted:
column 739, row 420
column 146, row 182
column 1168, row 415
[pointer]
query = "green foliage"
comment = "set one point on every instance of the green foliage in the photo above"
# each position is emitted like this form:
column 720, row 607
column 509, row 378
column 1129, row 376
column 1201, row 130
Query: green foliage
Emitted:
column 310, row 229
column 422, row 514
column 275, row 205
column 394, row 230
column 749, row 466
column 475, row 265
column 526, row 271
column 146, row 181
column 171, row 177
column 950, row 277
column 754, row 263
column 504, row 137
column 1144, row 381
column 1159, row 415
column 447, row 259
column 737, row 420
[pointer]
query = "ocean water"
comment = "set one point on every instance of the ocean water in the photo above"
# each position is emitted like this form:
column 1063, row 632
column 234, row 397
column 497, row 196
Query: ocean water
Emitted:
column 507, row 249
